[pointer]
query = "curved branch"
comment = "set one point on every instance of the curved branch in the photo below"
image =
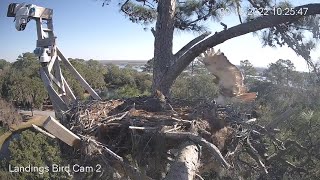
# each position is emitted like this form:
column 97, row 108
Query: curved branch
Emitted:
column 185, row 48
column 241, row 29
column 255, row 155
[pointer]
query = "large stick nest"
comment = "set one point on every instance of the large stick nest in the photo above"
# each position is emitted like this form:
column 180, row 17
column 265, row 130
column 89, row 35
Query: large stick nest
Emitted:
column 134, row 141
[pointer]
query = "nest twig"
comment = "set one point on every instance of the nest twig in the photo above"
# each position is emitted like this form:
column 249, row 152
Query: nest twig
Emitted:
column 130, row 135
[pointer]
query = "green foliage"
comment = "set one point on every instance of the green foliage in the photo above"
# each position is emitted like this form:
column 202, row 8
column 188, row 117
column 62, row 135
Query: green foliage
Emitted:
column 94, row 74
column 2, row 130
column 4, row 64
column 27, row 64
column 189, row 15
column 117, row 77
column 293, row 34
column 8, row 115
column 127, row 91
column 138, row 13
column 127, row 82
column 148, row 67
column 247, row 68
column 302, row 127
column 196, row 67
column 248, row 72
column 23, row 83
column 280, row 72
column 199, row 86
column 92, row 71
column 37, row 150
column 25, row 89
column 143, row 82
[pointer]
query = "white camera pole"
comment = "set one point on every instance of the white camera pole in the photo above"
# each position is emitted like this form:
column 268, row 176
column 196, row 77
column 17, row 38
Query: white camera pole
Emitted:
column 49, row 55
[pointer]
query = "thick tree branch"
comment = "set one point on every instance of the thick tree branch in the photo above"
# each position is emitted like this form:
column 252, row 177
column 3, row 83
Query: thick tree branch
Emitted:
column 153, row 32
column 185, row 48
column 254, row 4
column 186, row 163
column 241, row 29
column 202, row 142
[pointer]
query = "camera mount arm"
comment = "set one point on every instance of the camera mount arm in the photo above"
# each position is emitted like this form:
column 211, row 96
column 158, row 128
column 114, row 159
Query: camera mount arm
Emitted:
column 49, row 55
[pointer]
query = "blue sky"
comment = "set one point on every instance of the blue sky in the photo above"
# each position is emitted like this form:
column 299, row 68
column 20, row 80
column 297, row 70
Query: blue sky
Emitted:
column 85, row 29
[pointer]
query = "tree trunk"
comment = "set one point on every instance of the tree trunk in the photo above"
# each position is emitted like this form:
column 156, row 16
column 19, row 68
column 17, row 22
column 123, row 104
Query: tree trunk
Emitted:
column 168, row 67
column 186, row 164
column 163, row 57
column 31, row 108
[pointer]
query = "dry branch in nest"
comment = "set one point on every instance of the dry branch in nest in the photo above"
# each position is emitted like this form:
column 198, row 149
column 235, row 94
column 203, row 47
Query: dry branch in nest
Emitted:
column 140, row 144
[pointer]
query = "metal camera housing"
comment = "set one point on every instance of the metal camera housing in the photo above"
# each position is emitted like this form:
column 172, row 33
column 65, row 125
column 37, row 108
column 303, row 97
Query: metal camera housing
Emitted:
column 23, row 13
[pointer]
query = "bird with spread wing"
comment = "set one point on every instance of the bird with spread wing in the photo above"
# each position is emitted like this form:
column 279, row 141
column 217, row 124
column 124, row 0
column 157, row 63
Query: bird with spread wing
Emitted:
column 228, row 77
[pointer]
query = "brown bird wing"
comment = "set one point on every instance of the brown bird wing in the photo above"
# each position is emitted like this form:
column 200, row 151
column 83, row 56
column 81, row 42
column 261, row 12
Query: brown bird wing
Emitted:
column 230, row 77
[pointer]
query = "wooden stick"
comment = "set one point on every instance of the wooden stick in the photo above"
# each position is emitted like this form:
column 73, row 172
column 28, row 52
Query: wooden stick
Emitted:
column 143, row 128
column 255, row 155
column 108, row 150
column 173, row 129
column 114, row 118
column 251, row 120
column 181, row 120
column 43, row 131
column 100, row 145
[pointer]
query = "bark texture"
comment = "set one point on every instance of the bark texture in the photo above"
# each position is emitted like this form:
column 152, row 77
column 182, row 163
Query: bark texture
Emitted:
column 163, row 44
column 186, row 163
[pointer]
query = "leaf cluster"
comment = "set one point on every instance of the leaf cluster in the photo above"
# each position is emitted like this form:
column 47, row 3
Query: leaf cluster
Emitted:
column 195, row 86
column 22, row 82
column 127, row 82
column 190, row 14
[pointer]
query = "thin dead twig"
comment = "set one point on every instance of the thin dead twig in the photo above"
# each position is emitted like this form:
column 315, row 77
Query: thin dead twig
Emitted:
column 173, row 129
column 181, row 120
column 200, row 177
column 255, row 155
column 143, row 128
column 114, row 117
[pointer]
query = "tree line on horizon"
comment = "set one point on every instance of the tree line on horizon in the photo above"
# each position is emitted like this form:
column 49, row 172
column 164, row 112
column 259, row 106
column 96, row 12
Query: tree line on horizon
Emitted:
column 285, row 87
column 20, row 80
